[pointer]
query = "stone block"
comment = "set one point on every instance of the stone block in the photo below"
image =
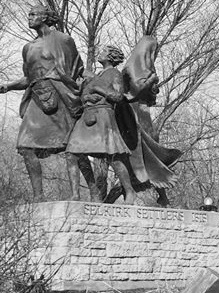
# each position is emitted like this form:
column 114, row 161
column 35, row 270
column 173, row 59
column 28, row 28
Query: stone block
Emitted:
column 194, row 229
column 158, row 236
column 193, row 241
column 125, row 269
column 114, row 237
column 97, row 222
column 126, row 249
column 139, row 268
column 59, row 225
column 80, row 251
column 100, row 237
column 101, row 268
column 74, row 259
column 169, row 276
column 211, row 233
column 79, row 227
column 39, row 255
column 154, row 246
column 171, row 269
column 129, row 260
column 188, row 256
column 191, row 248
column 171, row 247
column 98, row 252
column 169, row 262
column 94, row 237
column 109, row 261
column 67, row 239
column 99, row 276
column 141, row 276
column 94, row 244
column 165, row 254
column 119, row 276
column 192, row 271
column 75, row 273
column 59, row 255
column 136, row 238
column 89, row 260
column 207, row 249
column 198, row 263
column 122, row 230
column 209, row 242
column 147, row 263
column 97, row 229
column 212, row 260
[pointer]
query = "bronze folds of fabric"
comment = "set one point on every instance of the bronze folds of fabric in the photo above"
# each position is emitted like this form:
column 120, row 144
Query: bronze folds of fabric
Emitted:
column 45, row 96
column 139, row 73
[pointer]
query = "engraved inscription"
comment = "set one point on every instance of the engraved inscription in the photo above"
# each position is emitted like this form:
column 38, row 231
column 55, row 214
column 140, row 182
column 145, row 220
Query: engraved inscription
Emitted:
column 110, row 211
column 199, row 217
column 142, row 213
column 160, row 214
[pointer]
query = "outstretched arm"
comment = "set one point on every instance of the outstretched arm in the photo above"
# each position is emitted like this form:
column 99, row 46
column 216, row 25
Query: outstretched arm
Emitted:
column 20, row 84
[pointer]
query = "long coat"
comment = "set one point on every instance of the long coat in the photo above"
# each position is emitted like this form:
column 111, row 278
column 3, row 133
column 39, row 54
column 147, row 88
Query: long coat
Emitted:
column 96, row 132
column 54, row 61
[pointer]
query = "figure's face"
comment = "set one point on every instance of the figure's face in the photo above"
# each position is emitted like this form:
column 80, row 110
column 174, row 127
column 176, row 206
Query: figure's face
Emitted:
column 103, row 56
column 36, row 17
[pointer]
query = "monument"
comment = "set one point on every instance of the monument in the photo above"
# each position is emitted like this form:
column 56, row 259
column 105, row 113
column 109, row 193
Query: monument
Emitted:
column 93, row 245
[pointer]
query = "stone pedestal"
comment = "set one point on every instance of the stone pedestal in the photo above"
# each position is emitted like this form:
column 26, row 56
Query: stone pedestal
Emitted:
column 98, row 246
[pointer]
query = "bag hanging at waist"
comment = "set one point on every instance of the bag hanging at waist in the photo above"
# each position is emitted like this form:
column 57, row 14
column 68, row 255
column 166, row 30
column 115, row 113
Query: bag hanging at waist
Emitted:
column 45, row 96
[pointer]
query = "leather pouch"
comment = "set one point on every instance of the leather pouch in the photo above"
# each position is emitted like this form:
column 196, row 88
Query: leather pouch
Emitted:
column 90, row 117
column 45, row 96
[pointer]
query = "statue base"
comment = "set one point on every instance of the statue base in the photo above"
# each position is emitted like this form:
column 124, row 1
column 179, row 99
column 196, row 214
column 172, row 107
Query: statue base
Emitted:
column 98, row 247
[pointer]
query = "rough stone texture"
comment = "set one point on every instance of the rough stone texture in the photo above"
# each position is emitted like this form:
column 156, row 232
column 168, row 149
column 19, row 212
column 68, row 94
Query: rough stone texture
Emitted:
column 98, row 246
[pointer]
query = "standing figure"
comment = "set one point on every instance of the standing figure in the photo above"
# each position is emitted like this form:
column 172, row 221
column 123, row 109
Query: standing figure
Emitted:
column 149, row 163
column 96, row 133
column 50, row 105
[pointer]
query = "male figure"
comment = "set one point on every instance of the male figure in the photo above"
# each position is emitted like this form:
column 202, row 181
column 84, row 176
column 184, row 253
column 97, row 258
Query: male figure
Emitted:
column 51, row 65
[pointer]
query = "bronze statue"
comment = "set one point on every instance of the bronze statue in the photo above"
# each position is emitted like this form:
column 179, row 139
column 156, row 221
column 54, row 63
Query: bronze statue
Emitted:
column 96, row 133
column 109, row 128
column 51, row 112
column 51, row 103
column 149, row 162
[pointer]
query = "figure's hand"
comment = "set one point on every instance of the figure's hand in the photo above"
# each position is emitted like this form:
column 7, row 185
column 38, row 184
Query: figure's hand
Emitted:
column 155, row 89
column 88, row 74
column 91, row 98
column 3, row 89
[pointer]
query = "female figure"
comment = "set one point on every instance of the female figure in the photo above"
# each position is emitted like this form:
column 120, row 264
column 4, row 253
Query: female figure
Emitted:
column 149, row 163
column 51, row 65
column 96, row 133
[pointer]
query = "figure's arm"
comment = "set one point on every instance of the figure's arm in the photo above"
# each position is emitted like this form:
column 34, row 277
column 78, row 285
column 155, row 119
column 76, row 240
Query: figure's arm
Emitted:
column 20, row 84
column 147, row 48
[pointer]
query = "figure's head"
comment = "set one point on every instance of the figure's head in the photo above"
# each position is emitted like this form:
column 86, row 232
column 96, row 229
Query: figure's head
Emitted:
column 40, row 15
column 111, row 54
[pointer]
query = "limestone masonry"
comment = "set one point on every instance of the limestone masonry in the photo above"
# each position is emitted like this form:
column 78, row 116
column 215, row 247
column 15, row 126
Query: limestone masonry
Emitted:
column 98, row 246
